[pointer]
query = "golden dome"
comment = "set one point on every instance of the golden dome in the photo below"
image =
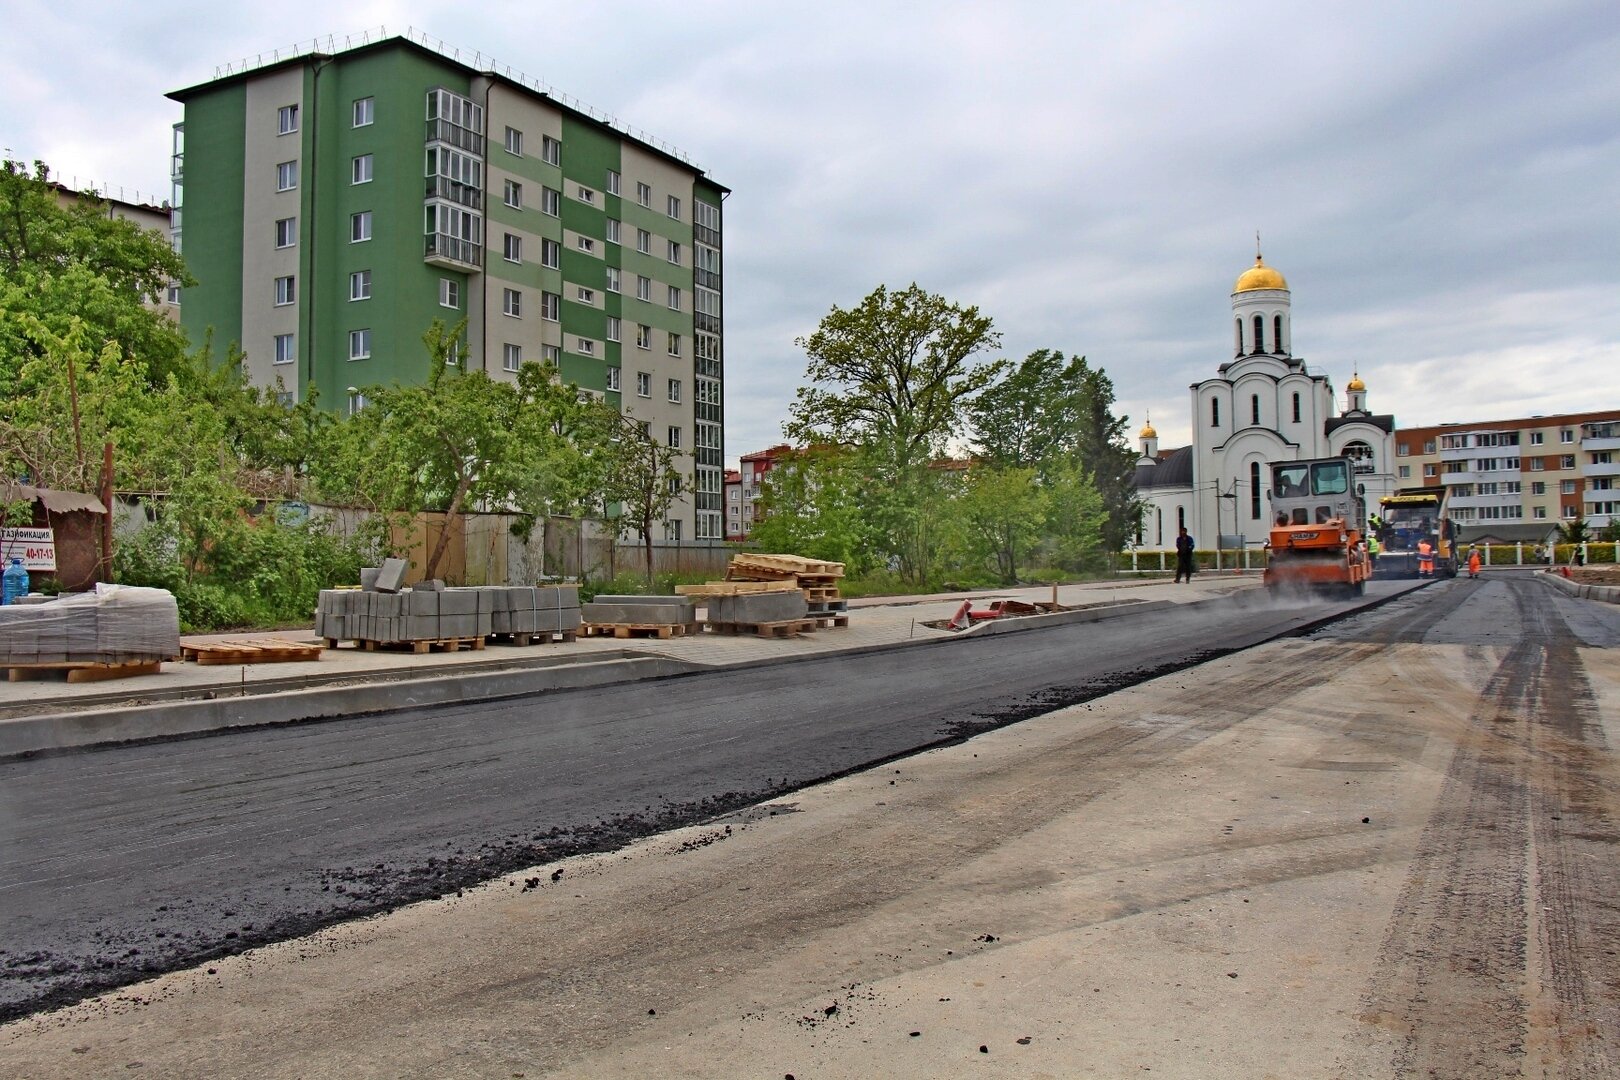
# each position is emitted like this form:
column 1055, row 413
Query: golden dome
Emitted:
column 1355, row 383
column 1148, row 432
column 1259, row 276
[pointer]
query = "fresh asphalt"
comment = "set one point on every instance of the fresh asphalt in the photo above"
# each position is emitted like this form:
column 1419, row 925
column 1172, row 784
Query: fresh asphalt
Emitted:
column 120, row 862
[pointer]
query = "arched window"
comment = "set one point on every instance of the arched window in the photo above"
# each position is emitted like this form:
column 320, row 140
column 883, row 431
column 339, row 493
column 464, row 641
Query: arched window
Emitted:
column 1237, row 336
column 1254, row 409
column 1214, row 412
column 1181, row 517
column 1276, row 335
column 1259, row 333
column 1254, row 490
column 1296, row 407
column 1158, row 528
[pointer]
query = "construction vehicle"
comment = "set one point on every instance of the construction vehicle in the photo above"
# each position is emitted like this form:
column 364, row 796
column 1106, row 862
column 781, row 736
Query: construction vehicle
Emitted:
column 1318, row 521
column 1407, row 521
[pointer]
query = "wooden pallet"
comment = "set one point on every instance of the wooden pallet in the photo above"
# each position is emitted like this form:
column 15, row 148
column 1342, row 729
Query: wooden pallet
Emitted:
column 84, row 671
column 250, row 651
column 629, row 630
column 476, row 644
column 829, row 622
column 820, row 594
column 537, row 637
column 784, row 629
column 829, row 607
column 737, row 588
column 753, row 566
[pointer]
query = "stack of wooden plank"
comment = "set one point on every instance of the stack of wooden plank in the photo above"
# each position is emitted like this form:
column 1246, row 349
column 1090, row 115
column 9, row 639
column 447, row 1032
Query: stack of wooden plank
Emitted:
column 816, row 579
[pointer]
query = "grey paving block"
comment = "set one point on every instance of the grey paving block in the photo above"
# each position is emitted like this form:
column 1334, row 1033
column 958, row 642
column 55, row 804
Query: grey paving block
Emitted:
column 391, row 575
column 368, row 577
column 666, row 614
column 418, row 602
column 758, row 607
column 458, row 602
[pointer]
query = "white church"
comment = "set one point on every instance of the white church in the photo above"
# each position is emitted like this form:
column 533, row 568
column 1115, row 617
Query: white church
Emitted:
column 1263, row 405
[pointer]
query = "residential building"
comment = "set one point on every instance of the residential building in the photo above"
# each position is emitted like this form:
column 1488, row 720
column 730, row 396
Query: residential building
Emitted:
column 338, row 202
column 1263, row 405
column 1513, row 480
column 734, row 521
column 751, row 485
column 142, row 211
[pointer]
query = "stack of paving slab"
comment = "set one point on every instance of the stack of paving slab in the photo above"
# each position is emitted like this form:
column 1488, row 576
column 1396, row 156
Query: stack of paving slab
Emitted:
column 113, row 626
column 628, row 616
column 378, row 614
column 816, row 579
column 770, row 608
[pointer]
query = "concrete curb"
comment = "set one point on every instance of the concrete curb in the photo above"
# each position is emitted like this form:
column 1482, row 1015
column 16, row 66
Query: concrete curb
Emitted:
column 59, row 731
column 1603, row 594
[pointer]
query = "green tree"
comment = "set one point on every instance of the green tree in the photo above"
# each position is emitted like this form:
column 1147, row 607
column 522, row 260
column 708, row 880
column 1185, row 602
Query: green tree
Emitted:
column 1003, row 512
column 461, row 439
column 637, row 478
column 60, row 262
column 891, row 377
column 1577, row 531
column 814, row 506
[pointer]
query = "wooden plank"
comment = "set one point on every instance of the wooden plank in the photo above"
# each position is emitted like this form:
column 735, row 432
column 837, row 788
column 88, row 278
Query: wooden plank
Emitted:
column 737, row 588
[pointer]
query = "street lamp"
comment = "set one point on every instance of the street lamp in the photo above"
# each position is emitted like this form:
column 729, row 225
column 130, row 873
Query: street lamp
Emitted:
column 1231, row 495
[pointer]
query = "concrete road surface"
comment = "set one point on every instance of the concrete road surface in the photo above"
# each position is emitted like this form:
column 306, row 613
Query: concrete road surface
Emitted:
column 1382, row 850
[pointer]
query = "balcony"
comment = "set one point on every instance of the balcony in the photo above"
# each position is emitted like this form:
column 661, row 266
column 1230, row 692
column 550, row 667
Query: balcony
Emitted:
column 1590, row 443
column 454, row 253
column 442, row 187
column 455, row 135
column 1605, row 468
column 1475, row 501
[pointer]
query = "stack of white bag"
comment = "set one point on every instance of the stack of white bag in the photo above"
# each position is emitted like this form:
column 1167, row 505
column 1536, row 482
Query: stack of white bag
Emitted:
column 115, row 624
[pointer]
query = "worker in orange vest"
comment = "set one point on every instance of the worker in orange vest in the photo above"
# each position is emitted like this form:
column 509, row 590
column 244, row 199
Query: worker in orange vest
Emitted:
column 1425, row 559
column 1473, row 562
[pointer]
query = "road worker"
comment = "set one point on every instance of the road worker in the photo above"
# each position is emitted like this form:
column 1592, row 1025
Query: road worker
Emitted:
column 1425, row 558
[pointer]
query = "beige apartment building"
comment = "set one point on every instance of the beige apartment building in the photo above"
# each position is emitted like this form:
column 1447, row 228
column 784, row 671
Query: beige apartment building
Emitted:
column 1514, row 480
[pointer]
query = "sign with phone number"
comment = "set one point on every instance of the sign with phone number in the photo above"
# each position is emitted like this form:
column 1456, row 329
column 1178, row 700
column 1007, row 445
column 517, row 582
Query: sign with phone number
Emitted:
column 35, row 547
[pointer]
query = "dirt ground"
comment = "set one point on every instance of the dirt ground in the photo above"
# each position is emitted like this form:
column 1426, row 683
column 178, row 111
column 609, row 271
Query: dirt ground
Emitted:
column 1595, row 575
column 1319, row 858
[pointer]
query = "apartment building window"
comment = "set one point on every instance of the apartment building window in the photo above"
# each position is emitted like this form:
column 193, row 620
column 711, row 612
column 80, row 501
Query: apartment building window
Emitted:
column 644, row 288
column 1571, row 511
column 1402, row 450
column 512, row 248
column 1541, row 513
column 586, row 244
column 365, row 110
column 1567, row 461
column 672, row 206
column 360, row 285
column 672, row 529
column 360, row 344
column 286, row 350
column 612, row 233
column 643, row 337
column 1566, row 436
column 675, row 388
column 674, row 298
column 587, row 347
column 357, row 401
column 614, row 328
column 360, row 227
column 512, row 303
column 586, row 296
column 286, row 291
column 287, row 119
column 550, row 201
column 550, row 150
column 511, row 357
column 1538, row 487
column 514, row 142
column 673, row 440
column 1428, row 446
column 644, row 194
column 612, row 278
column 675, row 350
column 586, row 195
column 551, row 306
column 550, row 254
column 644, row 241
column 643, row 384
column 512, row 194
column 1566, row 487
column 360, row 169
column 1428, row 472
column 613, row 378
column 449, row 293
column 286, row 232
column 286, row 176
column 1538, row 464
column 674, row 253
column 1537, row 438
column 1406, row 472
column 550, row 354
column 613, row 181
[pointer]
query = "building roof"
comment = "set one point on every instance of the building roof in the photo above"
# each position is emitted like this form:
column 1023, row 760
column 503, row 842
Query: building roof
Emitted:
column 57, row 502
column 1259, row 276
column 1175, row 469
column 446, row 55
column 769, row 454
column 1381, row 421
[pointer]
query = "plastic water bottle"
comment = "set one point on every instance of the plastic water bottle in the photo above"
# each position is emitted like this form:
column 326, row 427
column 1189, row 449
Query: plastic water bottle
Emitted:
column 15, row 582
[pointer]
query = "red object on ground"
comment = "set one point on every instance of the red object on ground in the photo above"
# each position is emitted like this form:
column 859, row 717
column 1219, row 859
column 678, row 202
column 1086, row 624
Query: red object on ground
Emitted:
column 1565, row 571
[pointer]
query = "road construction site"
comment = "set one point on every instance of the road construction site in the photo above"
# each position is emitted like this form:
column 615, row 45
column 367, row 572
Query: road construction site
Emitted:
column 1213, row 837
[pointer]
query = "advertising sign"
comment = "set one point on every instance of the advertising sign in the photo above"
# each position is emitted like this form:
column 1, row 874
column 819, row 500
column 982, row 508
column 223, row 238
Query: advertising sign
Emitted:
column 35, row 547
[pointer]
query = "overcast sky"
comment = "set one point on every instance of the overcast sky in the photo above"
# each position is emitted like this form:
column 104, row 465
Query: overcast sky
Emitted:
column 1439, row 182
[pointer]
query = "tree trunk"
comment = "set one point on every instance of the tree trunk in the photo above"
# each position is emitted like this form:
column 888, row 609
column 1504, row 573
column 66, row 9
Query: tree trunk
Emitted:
column 431, row 570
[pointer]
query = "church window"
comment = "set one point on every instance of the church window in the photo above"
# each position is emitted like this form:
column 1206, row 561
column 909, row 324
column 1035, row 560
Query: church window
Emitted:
column 1254, row 409
column 1237, row 336
column 1276, row 335
column 1214, row 412
column 1254, row 490
column 1296, row 407
column 1259, row 333
column 1181, row 517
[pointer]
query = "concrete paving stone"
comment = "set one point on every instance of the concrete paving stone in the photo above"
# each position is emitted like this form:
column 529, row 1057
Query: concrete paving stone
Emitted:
column 758, row 607
column 453, row 602
column 669, row 613
column 391, row 575
column 421, row 603
column 368, row 577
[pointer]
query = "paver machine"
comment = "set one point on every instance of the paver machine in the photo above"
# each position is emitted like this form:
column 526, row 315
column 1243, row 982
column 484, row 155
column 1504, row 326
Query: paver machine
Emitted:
column 1408, row 520
column 1319, row 517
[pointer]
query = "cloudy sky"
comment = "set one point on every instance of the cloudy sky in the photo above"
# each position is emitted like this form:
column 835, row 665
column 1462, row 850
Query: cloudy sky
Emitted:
column 1439, row 182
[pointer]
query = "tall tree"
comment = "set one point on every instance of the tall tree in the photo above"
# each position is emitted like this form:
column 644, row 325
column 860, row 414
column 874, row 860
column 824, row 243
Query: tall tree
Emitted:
column 891, row 378
column 1003, row 513
column 814, row 503
column 638, row 476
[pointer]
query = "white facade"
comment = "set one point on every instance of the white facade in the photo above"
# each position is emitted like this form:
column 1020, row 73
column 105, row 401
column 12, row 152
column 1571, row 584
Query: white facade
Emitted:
column 1262, row 405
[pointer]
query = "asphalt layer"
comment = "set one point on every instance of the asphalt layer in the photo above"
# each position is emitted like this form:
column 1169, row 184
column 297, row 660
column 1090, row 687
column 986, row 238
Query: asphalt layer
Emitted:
column 119, row 863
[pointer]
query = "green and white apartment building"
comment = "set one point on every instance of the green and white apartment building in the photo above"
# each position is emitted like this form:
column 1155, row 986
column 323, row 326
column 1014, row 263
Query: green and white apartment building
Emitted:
column 335, row 203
